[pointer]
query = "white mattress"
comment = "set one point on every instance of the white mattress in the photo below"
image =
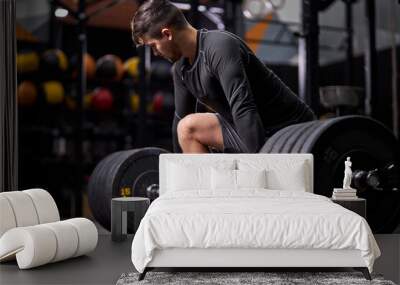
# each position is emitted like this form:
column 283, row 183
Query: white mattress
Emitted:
column 256, row 218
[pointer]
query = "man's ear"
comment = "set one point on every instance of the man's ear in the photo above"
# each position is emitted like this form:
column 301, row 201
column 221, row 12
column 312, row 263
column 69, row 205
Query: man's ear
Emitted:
column 167, row 32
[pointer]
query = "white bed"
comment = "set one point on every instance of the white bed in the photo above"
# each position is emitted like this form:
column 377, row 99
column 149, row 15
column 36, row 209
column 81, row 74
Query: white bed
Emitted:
column 201, row 219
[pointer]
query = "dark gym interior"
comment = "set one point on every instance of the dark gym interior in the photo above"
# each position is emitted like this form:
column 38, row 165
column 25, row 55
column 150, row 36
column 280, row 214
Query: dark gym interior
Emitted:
column 84, row 113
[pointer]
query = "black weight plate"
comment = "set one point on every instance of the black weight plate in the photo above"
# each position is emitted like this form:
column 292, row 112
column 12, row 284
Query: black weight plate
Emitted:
column 277, row 148
column 370, row 145
column 96, row 185
column 139, row 177
column 303, row 128
column 119, row 170
column 270, row 143
column 313, row 137
column 109, row 173
column 135, row 173
column 294, row 135
column 296, row 148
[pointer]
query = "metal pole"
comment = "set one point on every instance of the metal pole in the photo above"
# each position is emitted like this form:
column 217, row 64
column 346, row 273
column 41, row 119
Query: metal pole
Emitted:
column 52, row 23
column 395, row 100
column 228, row 15
column 239, row 19
column 309, row 55
column 144, row 53
column 370, row 60
column 82, row 39
column 55, row 30
column 8, row 98
column 194, row 13
column 349, row 39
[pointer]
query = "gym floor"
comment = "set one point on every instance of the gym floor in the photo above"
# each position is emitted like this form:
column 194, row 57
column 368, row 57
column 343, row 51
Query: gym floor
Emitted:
column 110, row 259
column 102, row 266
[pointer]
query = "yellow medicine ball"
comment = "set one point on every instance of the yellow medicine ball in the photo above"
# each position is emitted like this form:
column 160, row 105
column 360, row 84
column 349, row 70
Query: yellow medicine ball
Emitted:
column 135, row 102
column 54, row 92
column 63, row 61
column 27, row 62
column 131, row 66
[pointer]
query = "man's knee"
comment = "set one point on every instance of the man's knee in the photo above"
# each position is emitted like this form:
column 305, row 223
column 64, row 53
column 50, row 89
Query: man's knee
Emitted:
column 186, row 127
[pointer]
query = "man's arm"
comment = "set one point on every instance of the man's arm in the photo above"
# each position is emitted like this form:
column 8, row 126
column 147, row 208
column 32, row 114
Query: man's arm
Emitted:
column 227, row 65
column 185, row 103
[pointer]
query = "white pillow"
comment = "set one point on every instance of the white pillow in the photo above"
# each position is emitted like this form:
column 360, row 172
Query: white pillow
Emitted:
column 223, row 179
column 227, row 179
column 251, row 178
column 187, row 175
column 288, row 174
column 293, row 179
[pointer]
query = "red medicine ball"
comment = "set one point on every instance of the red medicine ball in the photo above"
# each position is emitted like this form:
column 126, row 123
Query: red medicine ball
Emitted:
column 102, row 99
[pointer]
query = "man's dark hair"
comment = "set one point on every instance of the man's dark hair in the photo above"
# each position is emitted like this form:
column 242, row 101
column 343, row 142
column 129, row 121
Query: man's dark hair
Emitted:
column 152, row 15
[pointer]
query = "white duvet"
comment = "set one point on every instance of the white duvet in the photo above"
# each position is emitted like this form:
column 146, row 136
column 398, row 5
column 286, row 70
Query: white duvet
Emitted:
column 254, row 218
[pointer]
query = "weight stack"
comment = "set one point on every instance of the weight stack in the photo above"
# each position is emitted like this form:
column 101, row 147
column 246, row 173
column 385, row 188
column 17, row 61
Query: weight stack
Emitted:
column 123, row 173
column 369, row 144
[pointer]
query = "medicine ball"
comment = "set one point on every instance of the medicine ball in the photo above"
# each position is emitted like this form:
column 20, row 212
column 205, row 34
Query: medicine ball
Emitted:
column 102, row 99
column 90, row 66
column 54, row 92
column 54, row 60
column 27, row 62
column 131, row 67
column 135, row 102
column 163, row 102
column 109, row 68
column 72, row 104
column 161, row 71
column 26, row 93
column 87, row 100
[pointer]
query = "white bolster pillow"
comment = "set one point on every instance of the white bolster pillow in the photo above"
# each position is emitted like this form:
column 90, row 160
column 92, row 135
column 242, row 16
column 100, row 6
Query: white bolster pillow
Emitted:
column 66, row 238
column 40, row 244
column 33, row 246
column 45, row 205
column 23, row 208
column 7, row 219
column 87, row 235
column 26, row 208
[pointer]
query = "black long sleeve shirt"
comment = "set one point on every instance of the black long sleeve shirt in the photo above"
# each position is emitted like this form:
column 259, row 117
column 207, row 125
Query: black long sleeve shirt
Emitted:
column 227, row 78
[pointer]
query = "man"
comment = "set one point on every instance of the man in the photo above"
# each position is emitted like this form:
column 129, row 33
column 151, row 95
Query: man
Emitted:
column 226, row 99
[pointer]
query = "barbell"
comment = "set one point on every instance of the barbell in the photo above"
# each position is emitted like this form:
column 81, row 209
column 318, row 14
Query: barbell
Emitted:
column 369, row 143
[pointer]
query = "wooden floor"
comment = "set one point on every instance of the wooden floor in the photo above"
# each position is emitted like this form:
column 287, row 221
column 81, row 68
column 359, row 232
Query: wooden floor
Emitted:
column 110, row 259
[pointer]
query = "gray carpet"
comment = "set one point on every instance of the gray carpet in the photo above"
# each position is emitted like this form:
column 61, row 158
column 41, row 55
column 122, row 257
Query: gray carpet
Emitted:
column 242, row 278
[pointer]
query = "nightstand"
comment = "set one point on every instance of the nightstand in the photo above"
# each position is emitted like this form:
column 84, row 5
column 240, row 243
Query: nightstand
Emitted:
column 358, row 205
column 119, row 208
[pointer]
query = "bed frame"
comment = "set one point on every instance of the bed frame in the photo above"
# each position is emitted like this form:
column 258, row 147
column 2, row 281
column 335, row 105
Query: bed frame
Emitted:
column 250, row 258
column 245, row 259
